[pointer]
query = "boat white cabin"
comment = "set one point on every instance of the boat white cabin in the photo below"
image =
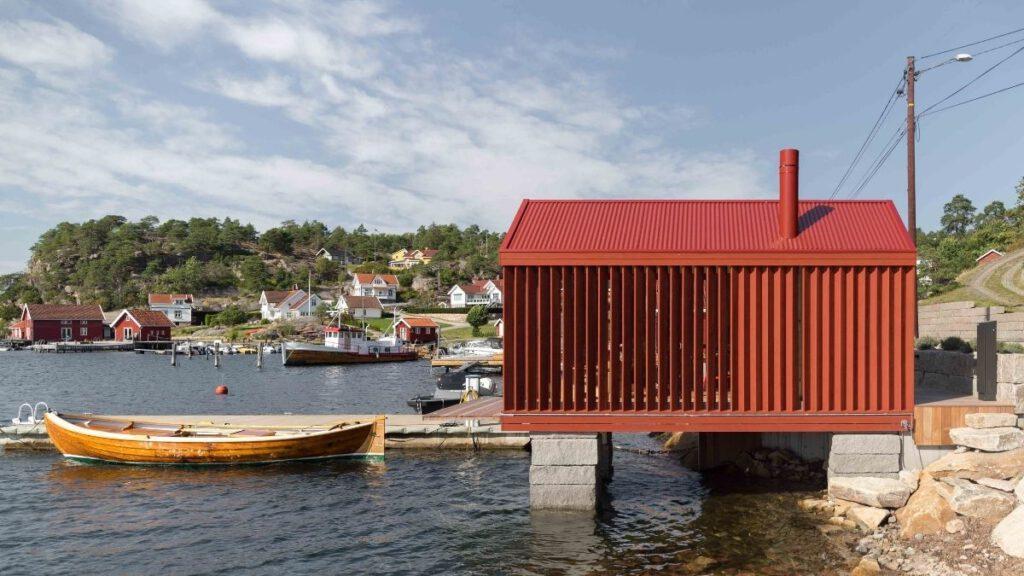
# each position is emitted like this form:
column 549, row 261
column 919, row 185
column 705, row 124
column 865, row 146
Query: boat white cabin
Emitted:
column 349, row 339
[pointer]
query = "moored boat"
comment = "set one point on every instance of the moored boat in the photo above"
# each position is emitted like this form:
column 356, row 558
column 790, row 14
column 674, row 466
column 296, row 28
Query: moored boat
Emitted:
column 98, row 438
column 346, row 345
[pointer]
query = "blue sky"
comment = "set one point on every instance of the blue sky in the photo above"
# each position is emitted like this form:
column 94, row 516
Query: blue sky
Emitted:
column 396, row 114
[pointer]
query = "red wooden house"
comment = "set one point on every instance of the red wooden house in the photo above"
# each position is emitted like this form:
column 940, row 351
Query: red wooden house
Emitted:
column 59, row 323
column 142, row 325
column 417, row 330
column 699, row 315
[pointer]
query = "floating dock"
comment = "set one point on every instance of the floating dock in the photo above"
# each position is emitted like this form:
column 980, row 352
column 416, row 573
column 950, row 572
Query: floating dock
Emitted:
column 403, row 431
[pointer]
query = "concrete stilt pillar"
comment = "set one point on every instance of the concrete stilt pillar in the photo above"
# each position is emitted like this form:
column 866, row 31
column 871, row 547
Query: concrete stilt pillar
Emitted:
column 569, row 471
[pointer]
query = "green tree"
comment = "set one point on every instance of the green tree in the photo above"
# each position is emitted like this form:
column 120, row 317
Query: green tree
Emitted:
column 277, row 240
column 254, row 274
column 958, row 214
column 477, row 317
column 230, row 316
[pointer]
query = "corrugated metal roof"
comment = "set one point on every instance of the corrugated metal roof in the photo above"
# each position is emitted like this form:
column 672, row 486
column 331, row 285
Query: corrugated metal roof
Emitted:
column 704, row 226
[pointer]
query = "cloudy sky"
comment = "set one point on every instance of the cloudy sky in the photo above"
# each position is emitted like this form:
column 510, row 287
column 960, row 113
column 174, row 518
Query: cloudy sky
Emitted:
column 396, row 114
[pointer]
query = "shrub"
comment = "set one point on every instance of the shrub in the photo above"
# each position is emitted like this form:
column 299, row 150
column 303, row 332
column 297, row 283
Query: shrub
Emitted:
column 926, row 343
column 230, row 316
column 956, row 344
column 1009, row 348
column 476, row 318
column 286, row 329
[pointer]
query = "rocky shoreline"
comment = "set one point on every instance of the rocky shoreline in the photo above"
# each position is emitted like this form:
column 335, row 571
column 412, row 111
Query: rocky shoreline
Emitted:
column 963, row 514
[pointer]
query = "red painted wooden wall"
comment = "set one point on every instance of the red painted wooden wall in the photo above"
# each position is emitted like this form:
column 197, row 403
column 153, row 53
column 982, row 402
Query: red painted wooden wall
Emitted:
column 711, row 348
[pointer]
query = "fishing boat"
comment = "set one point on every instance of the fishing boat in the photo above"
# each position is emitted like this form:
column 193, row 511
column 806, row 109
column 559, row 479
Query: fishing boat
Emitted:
column 347, row 345
column 97, row 438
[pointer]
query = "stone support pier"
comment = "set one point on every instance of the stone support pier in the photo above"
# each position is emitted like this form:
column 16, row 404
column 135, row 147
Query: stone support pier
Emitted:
column 569, row 471
column 877, row 455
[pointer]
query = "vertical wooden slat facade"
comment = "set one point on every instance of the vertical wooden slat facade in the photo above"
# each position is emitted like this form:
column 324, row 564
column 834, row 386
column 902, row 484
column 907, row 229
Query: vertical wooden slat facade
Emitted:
column 651, row 347
column 650, row 315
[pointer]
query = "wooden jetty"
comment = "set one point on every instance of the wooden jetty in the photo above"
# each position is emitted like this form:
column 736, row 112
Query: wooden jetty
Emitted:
column 401, row 431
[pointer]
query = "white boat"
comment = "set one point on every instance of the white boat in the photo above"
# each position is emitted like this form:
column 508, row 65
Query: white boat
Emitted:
column 347, row 345
column 484, row 348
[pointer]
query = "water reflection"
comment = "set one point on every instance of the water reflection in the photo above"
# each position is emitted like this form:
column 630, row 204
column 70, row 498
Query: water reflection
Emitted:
column 565, row 542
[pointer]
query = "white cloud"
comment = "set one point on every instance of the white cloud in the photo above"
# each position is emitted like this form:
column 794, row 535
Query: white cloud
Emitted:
column 167, row 23
column 48, row 48
column 396, row 131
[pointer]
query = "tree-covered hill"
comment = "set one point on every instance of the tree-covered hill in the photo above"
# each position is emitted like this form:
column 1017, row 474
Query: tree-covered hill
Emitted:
column 964, row 235
column 117, row 262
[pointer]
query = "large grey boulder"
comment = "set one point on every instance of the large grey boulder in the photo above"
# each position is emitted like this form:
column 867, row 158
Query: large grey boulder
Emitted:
column 977, row 465
column 1008, row 533
column 869, row 491
column 983, row 420
column 976, row 501
column 1011, row 393
column 989, row 439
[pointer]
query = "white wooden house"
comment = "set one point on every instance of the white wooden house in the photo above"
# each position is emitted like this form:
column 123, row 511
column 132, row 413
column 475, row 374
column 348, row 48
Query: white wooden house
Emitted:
column 343, row 257
column 360, row 306
column 486, row 292
column 383, row 286
column 177, row 307
column 287, row 304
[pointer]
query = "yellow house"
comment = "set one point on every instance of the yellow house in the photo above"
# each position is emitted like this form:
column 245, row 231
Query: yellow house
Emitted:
column 404, row 259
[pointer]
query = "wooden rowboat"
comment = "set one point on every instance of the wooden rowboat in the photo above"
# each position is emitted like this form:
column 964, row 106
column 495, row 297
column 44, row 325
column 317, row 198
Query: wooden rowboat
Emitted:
column 89, row 437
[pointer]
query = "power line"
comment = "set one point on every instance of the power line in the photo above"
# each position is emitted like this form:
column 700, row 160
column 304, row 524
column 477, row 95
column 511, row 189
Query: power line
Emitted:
column 973, row 80
column 876, row 165
column 973, row 43
column 993, row 93
column 871, row 136
column 975, row 55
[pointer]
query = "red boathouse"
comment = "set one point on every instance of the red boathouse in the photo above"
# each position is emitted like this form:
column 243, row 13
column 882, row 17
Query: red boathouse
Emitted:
column 59, row 323
column 417, row 330
column 728, row 316
column 142, row 325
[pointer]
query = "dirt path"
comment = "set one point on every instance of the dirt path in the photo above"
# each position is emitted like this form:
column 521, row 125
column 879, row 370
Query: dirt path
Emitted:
column 1007, row 279
column 977, row 283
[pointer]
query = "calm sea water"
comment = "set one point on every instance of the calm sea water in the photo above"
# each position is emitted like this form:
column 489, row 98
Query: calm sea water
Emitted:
column 414, row 513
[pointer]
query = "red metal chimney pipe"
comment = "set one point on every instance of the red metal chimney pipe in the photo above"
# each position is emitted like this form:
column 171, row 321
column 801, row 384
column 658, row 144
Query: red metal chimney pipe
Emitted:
column 789, row 193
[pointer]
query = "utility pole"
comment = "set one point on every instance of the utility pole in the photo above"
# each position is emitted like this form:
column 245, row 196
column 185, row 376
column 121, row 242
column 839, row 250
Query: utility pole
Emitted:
column 911, row 75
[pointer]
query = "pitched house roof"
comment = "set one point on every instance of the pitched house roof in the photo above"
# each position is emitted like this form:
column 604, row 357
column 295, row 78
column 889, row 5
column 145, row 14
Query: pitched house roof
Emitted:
column 166, row 299
column 390, row 279
column 428, row 252
column 417, row 321
column 709, row 232
column 64, row 312
column 277, row 296
column 367, row 302
column 145, row 318
column 476, row 286
column 990, row 251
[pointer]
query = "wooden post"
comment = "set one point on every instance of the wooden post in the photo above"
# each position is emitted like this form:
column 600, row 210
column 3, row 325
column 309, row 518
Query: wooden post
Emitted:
column 174, row 354
column 987, row 361
column 216, row 355
column 259, row 354
column 188, row 348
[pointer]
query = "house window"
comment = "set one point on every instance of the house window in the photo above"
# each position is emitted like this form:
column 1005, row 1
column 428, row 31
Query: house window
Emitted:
column 128, row 333
column 84, row 322
column 177, row 314
column 84, row 331
column 65, row 322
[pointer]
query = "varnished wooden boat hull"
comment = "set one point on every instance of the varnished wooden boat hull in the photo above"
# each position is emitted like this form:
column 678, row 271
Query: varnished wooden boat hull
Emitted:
column 308, row 357
column 77, row 442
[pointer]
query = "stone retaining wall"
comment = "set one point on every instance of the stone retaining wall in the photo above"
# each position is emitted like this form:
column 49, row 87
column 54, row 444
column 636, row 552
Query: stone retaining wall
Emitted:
column 1010, row 376
column 939, row 369
column 962, row 318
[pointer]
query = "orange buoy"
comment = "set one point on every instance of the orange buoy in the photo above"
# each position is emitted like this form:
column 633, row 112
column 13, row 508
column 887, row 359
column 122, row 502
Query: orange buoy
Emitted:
column 221, row 390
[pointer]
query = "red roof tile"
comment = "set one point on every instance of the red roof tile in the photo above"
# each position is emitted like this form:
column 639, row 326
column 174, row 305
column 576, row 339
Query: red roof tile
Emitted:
column 616, row 231
column 369, row 302
column 368, row 278
column 65, row 312
column 418, row 321
column 147, row 318
column 169, row 298
column 276, row 296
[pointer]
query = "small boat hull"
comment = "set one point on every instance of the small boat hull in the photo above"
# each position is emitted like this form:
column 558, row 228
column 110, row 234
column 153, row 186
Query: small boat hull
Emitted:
column 313, row 355
column 141, row 443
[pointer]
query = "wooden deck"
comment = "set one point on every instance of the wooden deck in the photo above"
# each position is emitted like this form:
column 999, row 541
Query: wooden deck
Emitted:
column 936, row 413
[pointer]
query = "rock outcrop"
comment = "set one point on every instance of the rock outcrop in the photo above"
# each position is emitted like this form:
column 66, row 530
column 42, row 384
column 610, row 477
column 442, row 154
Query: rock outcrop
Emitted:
column 983, row 420
column 989, row 439
column 1009, row 533
column 927, row 511
column 978, row 465
column 977, row 501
